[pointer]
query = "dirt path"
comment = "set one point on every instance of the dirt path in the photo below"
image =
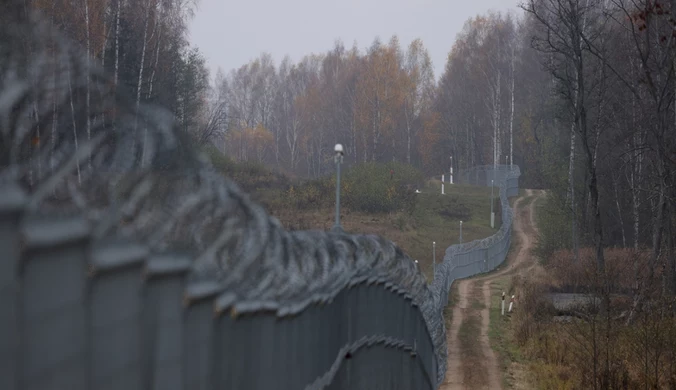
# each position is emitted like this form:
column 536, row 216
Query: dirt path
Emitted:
column 472, row 363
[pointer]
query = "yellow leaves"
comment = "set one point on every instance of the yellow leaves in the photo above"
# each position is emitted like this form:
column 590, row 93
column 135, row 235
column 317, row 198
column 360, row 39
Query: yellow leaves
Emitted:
column 380, row 94
column 430, row 137
column 246, row 141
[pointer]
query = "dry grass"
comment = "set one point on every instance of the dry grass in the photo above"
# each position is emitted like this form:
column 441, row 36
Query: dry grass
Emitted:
column 597, row 347
column 469, row 337
column 434, row 218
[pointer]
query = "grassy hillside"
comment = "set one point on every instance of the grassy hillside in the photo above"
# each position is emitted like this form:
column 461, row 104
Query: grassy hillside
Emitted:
column 376, row 199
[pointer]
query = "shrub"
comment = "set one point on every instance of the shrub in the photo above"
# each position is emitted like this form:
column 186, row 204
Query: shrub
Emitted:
column 250, row 176
column 378, row 187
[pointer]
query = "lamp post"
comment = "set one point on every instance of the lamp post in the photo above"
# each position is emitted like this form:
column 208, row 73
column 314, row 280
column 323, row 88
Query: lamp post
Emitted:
column 492, row 213
column 338, row 159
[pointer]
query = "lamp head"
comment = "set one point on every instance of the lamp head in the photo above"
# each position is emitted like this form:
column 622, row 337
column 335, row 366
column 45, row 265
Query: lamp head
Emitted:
column 338, row 149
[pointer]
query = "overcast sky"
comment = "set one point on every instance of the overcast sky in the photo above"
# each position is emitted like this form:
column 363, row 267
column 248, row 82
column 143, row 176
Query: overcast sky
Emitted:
column 230, row 33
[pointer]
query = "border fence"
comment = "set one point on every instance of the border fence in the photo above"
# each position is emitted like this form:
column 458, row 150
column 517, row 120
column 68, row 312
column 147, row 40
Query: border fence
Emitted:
column 474, row 257
column 81, row 313
column 128, row 263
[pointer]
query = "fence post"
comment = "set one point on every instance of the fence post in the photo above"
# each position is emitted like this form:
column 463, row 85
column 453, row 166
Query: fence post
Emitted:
column 12, row 201
column 434, row 259
column 492, row 213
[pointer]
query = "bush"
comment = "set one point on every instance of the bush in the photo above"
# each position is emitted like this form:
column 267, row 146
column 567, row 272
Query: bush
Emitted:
column 378, row 187
column 370, row 187
column 250, row 176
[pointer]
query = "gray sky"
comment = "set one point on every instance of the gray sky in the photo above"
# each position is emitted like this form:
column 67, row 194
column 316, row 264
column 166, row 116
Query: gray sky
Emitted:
column 230, row 33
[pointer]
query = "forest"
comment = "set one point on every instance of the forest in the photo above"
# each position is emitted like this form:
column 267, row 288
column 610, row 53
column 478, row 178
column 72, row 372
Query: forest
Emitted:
column 579, row 94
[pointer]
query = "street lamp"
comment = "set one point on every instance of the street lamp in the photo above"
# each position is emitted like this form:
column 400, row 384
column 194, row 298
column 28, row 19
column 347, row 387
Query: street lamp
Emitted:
column 338, row 159
column 492, row 213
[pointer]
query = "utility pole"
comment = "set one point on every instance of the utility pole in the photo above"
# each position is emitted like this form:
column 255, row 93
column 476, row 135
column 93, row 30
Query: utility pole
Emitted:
column 338, row 159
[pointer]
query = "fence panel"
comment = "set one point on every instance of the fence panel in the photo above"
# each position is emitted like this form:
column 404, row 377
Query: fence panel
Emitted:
column 53, row 315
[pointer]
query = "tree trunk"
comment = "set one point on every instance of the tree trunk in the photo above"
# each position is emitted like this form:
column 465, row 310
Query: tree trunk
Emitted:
column 72, row 114
column 157, row 56
column 88, row 92
column 54, row 117
column 117, row 43
column 140, row 80
column 593, row 181
column 571, row 193
column 511, row 119
column 619, row 214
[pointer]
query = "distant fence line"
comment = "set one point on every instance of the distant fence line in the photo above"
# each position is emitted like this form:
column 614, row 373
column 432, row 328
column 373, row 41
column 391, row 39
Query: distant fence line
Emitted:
column 474, row 257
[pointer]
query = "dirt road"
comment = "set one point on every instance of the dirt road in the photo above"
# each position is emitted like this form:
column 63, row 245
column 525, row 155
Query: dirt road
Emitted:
column 472, row 364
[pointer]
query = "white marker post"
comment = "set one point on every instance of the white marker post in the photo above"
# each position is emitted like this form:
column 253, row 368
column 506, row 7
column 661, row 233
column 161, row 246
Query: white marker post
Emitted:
column 451, row 178
column 511, row 303
column 443, row 178
column 442, row 189
column 503, row 303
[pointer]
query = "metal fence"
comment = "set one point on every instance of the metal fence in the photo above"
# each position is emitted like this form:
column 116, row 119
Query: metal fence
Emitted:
column 81, row 313
column 128, row 263
column 86, row 313
column 475, row 257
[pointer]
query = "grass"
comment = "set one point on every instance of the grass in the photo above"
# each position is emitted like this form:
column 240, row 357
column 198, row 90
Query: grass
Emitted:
column 500, row 331
column 477, row 305
column 468, row 335
column 470, row 350
column 435, row 218
column 448, row 310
